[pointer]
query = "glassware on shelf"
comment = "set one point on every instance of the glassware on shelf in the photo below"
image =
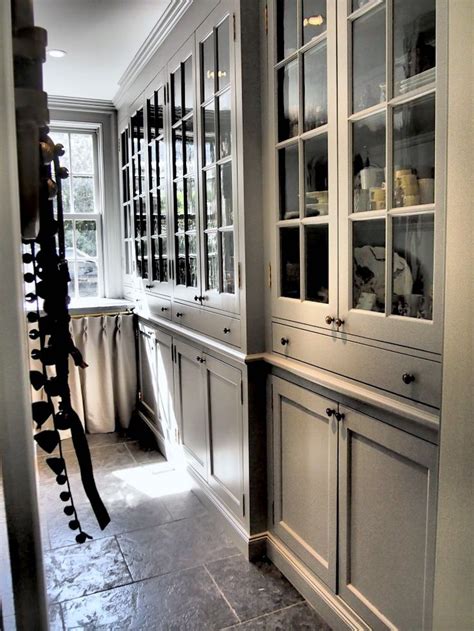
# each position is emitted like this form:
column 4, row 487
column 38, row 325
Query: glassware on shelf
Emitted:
column 414, row 152
column 369, row 254
column 316, row 176
column 368, row 159
column 412, row 276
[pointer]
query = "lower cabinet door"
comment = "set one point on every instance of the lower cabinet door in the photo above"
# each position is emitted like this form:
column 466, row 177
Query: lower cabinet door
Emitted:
column 189, row 388
column 165, row 381
column 387, row 491
column 305, row 442
column 147, row 383
column 225, row 414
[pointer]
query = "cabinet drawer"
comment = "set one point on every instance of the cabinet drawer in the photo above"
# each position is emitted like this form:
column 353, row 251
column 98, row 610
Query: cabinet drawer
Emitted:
column 155, row 307
column 374, row 366
column 223, row 328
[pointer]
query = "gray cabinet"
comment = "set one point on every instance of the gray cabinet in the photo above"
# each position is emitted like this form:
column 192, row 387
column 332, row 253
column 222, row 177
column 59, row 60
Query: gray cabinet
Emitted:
column 305, row 476
column 210, row 413
column 165, row 389
column 147, row 383
column 354, row 497
column 387, row 500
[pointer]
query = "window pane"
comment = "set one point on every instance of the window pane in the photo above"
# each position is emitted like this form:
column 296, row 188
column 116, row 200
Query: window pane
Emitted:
column 316, row 176
column 69, row 238
column 227, row 212
column 317, row 263
column 368, row 241
column 211, row 261
column 66, row 195
column 207, row 49
column 223, row 61
column 209, row 133
column 414, row 152
column 289, row 182
column 368, row 60
column 315, row 88
column 290, row 262
column 188, row 86
column 314, row 19
column 82, row 154
column 177, row 97
column 189, row 146
column 211, row 209
column 414, row 44
column 288, row 101
column 62, row 139
column 87, row 277
column 368, row 146
column 228, row 276
column 83, row 192
column 413, row 243
column 286, row 28
column 86, row 238
column 225, row 133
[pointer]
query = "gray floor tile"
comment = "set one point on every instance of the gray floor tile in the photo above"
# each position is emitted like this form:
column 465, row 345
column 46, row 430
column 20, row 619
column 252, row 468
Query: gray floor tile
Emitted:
column 300, row 617
column 252, row 589
column 175, row 546
column 123, row 519
column 54, row 618
column 78, row 570
column 187, row 601
column 103, row 457
column 145, row 456
column 182, row 505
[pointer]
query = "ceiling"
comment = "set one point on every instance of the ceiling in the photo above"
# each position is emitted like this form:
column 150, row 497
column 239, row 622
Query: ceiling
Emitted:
column 101, row 37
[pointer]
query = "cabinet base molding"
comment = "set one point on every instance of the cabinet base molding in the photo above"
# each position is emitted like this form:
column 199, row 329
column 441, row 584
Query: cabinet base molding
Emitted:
column 334, row 611
column 253, row 547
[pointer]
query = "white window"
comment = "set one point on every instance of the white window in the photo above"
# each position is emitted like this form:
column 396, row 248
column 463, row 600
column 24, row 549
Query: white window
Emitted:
column 82, row 205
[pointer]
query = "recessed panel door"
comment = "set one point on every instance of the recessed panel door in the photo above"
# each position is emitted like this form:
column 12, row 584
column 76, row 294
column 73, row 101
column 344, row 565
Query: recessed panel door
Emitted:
column 165, row 386
column 305, row 476
column 147, row 383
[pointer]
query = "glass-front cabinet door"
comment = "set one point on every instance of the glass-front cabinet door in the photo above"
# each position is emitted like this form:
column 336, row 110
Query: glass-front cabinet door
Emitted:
column 127, row 218
column 391, row 170
column 303, row 83
column 158, row 179
column 183, row 144
column 138, row 194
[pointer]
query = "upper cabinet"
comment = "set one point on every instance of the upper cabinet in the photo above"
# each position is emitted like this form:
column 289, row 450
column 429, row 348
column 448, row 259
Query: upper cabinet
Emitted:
column 358, row 159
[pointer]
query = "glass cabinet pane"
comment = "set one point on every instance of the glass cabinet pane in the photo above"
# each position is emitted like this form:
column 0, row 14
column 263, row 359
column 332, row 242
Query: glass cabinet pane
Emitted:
column 209, row 133
column 288, row 104
column 317, row 263
column 412, row 279
column 223, row 58
column 225, row 135
column 191, row 260
column 414, row 152
column 188, row 86
column 316, row 176
column 314, row 19
column 210, row 194
column 368, row 281
column 177, row 95
column 160, row 111
column 290, row 262
column 414, row 44
column 189, row 145
column 315, row 87
column 227, row 212
column 368, row 159
column 190, row 204
column 179, row 206
column 212, row 281
column 286, row 28
column 289, row 182
column 228, row 262
column 368, row 60
column 178, row 152
column 207, row 67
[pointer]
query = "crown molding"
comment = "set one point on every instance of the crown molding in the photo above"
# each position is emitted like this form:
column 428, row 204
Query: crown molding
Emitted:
column 161, row 30
column 77, row 104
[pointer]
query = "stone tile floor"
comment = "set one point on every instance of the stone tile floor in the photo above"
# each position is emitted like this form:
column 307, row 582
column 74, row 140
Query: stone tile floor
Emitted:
column 161, row 564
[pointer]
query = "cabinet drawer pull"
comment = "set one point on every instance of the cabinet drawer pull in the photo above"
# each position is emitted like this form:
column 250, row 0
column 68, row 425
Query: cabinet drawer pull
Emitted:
column 179, row 314
column 164, row 308
column 330, row 412
column 284, row 341
column 339, row 322
column 148, row 286
column 197, row 298
column 328, row 319
column 201, row 360
column 339, row 416
column 226, row 330
column 408, row 378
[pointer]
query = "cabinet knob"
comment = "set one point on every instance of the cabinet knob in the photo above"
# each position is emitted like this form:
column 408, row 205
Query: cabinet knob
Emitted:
column 201, row 360
column 197, row 298
column 179, row 314
column 338, row 322
column 339, row 416
column 329, row 412
column 284, row 341
column 408, row 378
column 226, row 330
column 164, row 308
column 328, row 320
column 148, row 286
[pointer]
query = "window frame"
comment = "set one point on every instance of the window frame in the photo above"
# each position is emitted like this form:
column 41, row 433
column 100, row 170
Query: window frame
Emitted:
column 94, row 130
